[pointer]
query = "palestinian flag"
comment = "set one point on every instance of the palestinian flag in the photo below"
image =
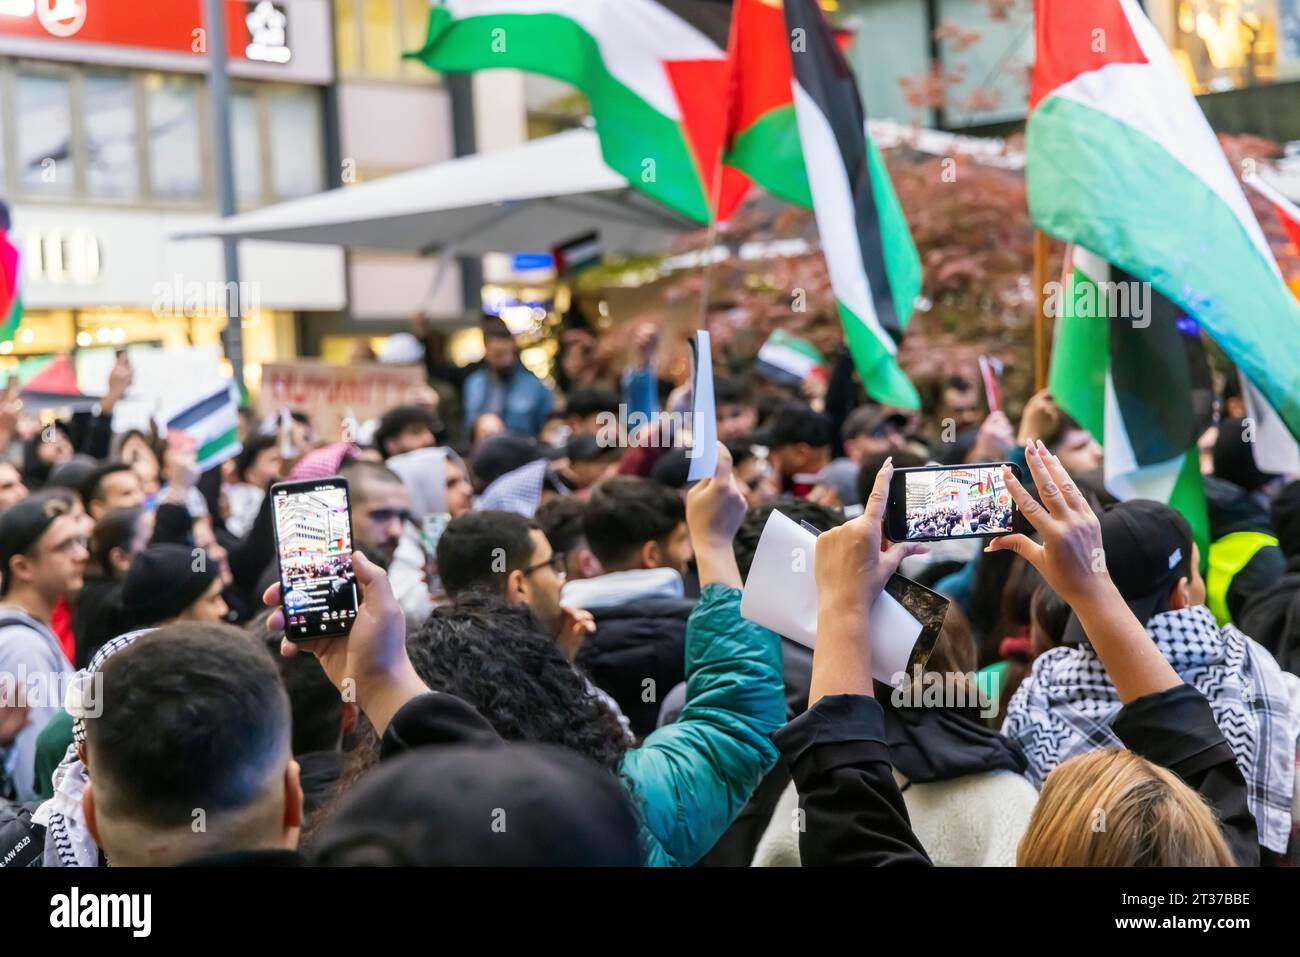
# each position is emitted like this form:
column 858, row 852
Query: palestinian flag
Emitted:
column 1286, row 212
column 1122, row 162
column 11, row 299
column 50, row 382
column 1129, row 366
column 873, row 264
column 789, row 360
column 655, row 72
column 212, row 422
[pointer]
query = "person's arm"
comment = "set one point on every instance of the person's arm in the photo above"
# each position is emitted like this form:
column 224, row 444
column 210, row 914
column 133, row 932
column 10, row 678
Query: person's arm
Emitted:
column 640, row 384
column 853, row 811
column 696, row 774
column 1073, row 563
column 370, row 663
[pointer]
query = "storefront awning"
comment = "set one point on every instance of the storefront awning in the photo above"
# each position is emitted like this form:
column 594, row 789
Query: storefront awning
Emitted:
column 522, row 198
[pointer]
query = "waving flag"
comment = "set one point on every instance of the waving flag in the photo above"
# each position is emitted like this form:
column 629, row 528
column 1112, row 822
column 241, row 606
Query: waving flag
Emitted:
column 212, row 423
column 11, row 300
column 1121, row 161
column 1141, row 388
column 655, row 72
column 1286, row 211
column 874, row 268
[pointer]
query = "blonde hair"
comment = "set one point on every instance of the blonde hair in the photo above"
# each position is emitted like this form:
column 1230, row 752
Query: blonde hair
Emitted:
column 1113, row 808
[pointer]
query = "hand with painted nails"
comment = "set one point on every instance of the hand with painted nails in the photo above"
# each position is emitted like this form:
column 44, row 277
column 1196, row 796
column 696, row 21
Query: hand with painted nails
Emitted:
column 1070, row 559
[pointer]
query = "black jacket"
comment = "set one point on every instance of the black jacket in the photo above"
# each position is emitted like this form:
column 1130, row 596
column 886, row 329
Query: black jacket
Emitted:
column 1272, row 617
column 640, row 640
column 854, row 811
column 1233, row 509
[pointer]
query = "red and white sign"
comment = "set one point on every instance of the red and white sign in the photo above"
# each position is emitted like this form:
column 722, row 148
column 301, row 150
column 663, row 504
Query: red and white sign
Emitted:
column 173, row 25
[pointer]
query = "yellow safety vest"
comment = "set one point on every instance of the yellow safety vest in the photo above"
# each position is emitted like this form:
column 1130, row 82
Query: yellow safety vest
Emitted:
column 1228, row 556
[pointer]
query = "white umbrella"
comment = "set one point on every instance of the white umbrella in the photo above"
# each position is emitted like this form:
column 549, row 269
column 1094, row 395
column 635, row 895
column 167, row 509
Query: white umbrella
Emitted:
column 524, row 198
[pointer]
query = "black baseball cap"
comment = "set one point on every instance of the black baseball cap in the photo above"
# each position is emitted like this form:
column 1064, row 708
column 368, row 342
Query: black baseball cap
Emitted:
column 1148, row 549
column 21, row 527
column 793, row 423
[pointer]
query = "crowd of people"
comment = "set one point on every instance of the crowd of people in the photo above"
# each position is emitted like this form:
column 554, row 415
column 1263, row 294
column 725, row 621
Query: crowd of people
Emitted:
column 979, row 518
column 549, row 664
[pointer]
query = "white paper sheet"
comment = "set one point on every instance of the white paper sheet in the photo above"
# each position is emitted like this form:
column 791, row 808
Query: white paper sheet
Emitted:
column 781, row 594
column 703, row 453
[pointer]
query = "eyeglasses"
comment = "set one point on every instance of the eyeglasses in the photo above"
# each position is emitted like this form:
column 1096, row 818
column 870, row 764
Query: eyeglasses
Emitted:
column 556, row 561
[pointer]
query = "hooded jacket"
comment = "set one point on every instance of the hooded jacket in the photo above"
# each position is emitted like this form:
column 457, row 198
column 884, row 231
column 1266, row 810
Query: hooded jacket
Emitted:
column 1244, row 556
column 640, row 636
column 963, row 785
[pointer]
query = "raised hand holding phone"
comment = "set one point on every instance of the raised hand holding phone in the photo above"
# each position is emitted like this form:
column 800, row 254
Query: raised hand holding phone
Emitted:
column 370, row 664
column 852, row 564
column 1073, row 564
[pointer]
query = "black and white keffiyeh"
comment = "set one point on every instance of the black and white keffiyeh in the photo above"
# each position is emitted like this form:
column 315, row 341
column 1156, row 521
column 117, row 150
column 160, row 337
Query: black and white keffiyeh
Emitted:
column 1066, row 705
column 67, row 841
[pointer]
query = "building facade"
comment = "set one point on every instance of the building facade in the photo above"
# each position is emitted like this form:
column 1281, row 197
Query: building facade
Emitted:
column 106, row 153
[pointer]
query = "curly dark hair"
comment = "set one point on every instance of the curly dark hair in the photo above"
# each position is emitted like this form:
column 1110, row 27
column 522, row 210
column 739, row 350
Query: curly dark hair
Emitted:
column 495, row 658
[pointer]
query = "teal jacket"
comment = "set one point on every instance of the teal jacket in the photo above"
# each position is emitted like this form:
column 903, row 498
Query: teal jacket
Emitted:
column 691, row 778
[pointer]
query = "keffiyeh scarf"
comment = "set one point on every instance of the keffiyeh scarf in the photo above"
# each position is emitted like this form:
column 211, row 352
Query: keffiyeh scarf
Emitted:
column 1066, row 705
column 67, row 841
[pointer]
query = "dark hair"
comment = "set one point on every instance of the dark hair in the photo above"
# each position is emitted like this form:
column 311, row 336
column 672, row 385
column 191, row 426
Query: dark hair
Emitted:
column 315, row 704
column 194, row 716
column 796, row 509
column 733, row 390
column 673, row 469
column 90, row 485
column 472, row 545
column 1050, row 612
column 1017, row 596
column 116, row 529
column 397, row 420
column 741, row 451
column 872, row 464
column 254, row 446
column 625, row 512
column 1065, row 424
column 585, row 402
column 494, row 327
column 560, row 520
column 496, row 659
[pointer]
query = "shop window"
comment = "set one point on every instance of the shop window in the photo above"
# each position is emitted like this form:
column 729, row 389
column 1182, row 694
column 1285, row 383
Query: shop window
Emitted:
column 112, row 164
column 44, row 132
column 295, row 143
column 245, row 132
column 1228, row 44
column 175, row 151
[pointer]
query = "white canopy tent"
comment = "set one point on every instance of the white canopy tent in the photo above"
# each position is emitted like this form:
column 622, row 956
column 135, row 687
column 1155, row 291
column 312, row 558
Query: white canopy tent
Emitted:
column 525, row 198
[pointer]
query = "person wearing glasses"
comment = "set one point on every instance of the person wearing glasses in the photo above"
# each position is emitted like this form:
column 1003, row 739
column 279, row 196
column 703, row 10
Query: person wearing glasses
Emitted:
column 507, row 555
column 42, row 560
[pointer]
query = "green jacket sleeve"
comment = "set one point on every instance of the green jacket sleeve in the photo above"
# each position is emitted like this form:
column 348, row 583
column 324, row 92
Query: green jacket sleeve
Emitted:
column 691, row 778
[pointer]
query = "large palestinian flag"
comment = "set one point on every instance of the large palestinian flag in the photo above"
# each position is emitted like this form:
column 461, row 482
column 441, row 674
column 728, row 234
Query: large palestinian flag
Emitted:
column 874, row 268
column 1131, row 369
column 1122, row 162
column 11, row 297
column 655, row 72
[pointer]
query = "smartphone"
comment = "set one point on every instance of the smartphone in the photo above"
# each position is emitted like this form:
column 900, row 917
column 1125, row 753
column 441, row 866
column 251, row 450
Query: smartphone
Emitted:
column 313, row 542
column 940, row 502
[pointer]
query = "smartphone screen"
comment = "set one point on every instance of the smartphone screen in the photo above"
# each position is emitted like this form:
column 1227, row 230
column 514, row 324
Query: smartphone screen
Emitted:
column 933, row 503
column 313, row 539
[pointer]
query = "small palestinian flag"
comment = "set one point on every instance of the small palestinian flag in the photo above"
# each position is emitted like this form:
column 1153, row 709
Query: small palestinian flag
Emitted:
column 1286, row 211
column 50, row 382
column 789, row 360
column 11, row 299
column 212, row 423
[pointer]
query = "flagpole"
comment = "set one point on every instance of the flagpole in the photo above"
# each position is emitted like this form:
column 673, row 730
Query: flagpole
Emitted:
column 1042, row 355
